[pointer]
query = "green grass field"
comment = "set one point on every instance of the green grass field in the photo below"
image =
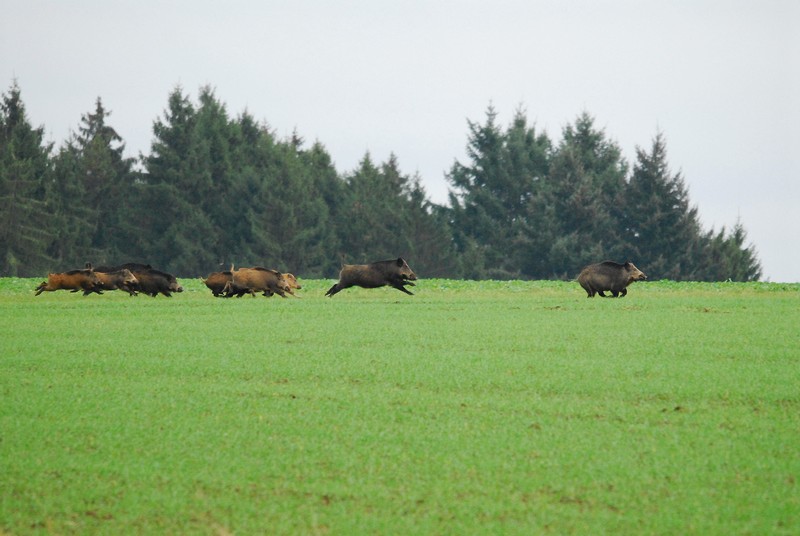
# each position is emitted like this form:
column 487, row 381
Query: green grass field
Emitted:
column 469, row 408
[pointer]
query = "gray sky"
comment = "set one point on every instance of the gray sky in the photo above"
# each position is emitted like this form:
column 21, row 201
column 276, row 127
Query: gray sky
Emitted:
column 720, row 79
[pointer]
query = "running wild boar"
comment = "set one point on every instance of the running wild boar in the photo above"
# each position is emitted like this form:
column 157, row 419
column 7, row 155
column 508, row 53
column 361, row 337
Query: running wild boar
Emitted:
column 394, row 273
column 609, row 276
column 74, row 280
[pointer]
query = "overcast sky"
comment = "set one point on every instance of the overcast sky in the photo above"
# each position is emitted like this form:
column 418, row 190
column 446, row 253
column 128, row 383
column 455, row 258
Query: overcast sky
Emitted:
column 720, row 80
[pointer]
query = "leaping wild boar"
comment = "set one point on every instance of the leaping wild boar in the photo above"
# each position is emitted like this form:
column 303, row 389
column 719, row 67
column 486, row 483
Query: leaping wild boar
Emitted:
column 394, row 273
column 74, row 280
column 609, row 276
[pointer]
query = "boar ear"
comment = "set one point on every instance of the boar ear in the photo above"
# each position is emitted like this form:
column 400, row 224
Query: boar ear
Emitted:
column 400, row 261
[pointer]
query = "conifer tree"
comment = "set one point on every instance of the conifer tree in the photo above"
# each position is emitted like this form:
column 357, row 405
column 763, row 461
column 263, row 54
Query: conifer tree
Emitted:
column 93, row 180
column 177, row 234
column 371, row 224
column 75, row 219
column 586, row 181
column 328, row 190
column 26, row 225
column 661, row 229
column 727, row 256
column 433, row 252
column 492, row 192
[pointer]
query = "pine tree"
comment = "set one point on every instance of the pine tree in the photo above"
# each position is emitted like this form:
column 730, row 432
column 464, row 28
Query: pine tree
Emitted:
column 314, row 240
column 178, row 181
column 94, row 178
column 662, row 230
column 586, row 181
column 491, row 195
column 26, row 225
column 75, row 217
column 371, row 224
column 328, row 190
column 433, row 252
column 727, row 257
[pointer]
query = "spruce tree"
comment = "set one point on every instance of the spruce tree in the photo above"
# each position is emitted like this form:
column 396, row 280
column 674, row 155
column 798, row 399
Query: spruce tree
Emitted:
column 491, row 195
column 371, row 225
column 76, row 219
column 660, row 227
column 728, row 257
column 328, row 190
column 26, row 225
column 104, row 177
column 178, row 235
column 433, row 252
column 586, row 181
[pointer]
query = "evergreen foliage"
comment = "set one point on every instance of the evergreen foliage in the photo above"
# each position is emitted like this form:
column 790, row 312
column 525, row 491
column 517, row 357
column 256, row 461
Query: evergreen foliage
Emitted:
column 92, row 179
column 661, row 228
column 26, row 224
column 216, row 191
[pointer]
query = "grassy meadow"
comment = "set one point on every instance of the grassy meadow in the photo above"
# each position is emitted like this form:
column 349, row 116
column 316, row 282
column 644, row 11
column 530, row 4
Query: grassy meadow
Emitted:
column 469, row 408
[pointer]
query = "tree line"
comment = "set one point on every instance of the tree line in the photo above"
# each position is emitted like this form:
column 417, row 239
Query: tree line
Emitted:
column 216, row 190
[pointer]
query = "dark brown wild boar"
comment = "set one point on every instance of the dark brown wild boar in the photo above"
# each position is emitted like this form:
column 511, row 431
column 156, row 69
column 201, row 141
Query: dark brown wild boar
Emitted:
column 150, row 281
column 117, row 280
column 74, row 280
column 609, row 276
column 154, row 282
column 394, row 273
column 251, row 280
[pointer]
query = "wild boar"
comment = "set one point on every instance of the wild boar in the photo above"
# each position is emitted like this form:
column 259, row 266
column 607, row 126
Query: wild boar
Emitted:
column 251, row 280
column 291, row 283
column 74, row 280
column 609, row 276
column 216, row 282
column 150, row 281
column 117, row 280
column 394, row 273
column 154, row 282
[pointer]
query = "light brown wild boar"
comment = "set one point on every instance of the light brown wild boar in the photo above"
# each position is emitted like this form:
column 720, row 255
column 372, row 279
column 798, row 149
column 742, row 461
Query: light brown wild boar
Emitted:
column 118, row 280
column 291, row 283
column 252, row 280
column 85, row 279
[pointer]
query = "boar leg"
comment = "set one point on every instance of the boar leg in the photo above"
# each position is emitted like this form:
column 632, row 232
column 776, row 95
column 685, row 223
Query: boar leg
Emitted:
column 399, row 286
column 600, row 292
column 333, row 290
column 623, row 292
column 88, row 291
